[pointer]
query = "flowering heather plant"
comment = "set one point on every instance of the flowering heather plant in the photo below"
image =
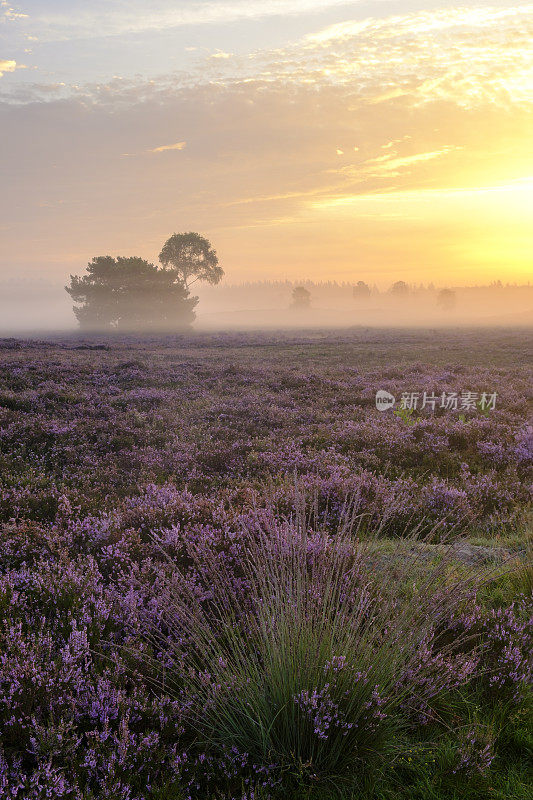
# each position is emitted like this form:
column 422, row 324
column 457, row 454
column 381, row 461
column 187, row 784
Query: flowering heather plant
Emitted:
column 507, row 635
column 476, row 752
column 276, row 647
column 312, row 658
column 233, row 410
column 182, row 617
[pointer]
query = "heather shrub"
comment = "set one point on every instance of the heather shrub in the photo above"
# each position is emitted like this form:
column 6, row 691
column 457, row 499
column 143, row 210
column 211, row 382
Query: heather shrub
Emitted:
column 308, row 657
column 212, row 415
column 285, row 655
column 213, row 582
column 507, row 636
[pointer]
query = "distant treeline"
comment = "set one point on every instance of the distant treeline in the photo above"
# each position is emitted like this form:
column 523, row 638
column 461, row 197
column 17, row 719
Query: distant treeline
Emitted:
column 342, row 288
column 359, row 302
column 282, row 291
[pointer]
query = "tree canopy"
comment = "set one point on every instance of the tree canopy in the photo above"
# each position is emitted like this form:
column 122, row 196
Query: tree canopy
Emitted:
column 130, row 294
column 399, row 289
column 301, row 297
column 361, row 289
column 446, row 299
column 192, row 258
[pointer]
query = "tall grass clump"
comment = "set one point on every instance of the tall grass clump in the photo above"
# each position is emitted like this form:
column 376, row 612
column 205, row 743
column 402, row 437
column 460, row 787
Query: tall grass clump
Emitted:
column 308, row 653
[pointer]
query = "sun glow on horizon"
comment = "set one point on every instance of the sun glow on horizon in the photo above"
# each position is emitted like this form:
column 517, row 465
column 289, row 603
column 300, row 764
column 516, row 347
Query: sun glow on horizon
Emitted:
column 520, row 189
column 351, row 141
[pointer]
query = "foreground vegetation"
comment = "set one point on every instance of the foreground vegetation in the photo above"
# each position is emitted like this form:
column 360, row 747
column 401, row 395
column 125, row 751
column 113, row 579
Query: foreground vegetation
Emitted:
column 225, row 574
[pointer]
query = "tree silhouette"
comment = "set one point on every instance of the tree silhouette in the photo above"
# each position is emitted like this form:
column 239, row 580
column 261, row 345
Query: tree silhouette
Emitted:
column 361, row 289
column 399, row 289
column 446, row 299
column 301, row 297
column 192, row 258
column 130, row 294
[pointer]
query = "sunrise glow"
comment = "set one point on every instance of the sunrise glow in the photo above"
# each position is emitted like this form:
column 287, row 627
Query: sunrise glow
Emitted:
column 395, row 135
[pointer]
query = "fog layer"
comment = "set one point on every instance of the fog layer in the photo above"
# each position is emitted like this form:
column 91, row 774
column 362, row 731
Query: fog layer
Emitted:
column 44, row 306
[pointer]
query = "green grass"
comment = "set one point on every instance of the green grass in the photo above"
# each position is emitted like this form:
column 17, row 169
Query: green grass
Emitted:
column 401, row 758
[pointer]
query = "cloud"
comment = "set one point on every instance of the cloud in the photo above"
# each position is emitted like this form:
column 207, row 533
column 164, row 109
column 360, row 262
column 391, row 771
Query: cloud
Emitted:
column 394, row 143
column 163, row 148
column 7, row 66
column 382, row 165
column 262, row 177
column 11, row 13
column 469, row 56
column 112, row 18
column 286, row 141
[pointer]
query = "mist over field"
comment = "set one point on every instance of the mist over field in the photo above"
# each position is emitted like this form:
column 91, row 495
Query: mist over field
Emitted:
column 42, row 305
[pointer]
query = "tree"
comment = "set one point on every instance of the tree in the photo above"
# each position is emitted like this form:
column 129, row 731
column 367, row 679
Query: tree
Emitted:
column 301, row 297
column 192, row 258
column 130, row 294
column 399, row 289
column 446, row 299
column 361, row 289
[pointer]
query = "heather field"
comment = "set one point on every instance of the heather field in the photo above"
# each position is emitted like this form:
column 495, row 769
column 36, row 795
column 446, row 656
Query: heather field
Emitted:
column 224, row 573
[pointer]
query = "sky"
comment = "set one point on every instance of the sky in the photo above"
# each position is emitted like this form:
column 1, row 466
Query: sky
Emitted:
column 368, row 140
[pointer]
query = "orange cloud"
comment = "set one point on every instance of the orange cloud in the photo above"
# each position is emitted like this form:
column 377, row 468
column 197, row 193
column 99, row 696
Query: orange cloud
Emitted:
column 7, row 66
column 165, row 147
column 436, row 102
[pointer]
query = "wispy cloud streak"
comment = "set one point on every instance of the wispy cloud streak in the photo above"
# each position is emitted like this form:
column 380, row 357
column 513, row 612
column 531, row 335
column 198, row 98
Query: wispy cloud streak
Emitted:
column 163, row 148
